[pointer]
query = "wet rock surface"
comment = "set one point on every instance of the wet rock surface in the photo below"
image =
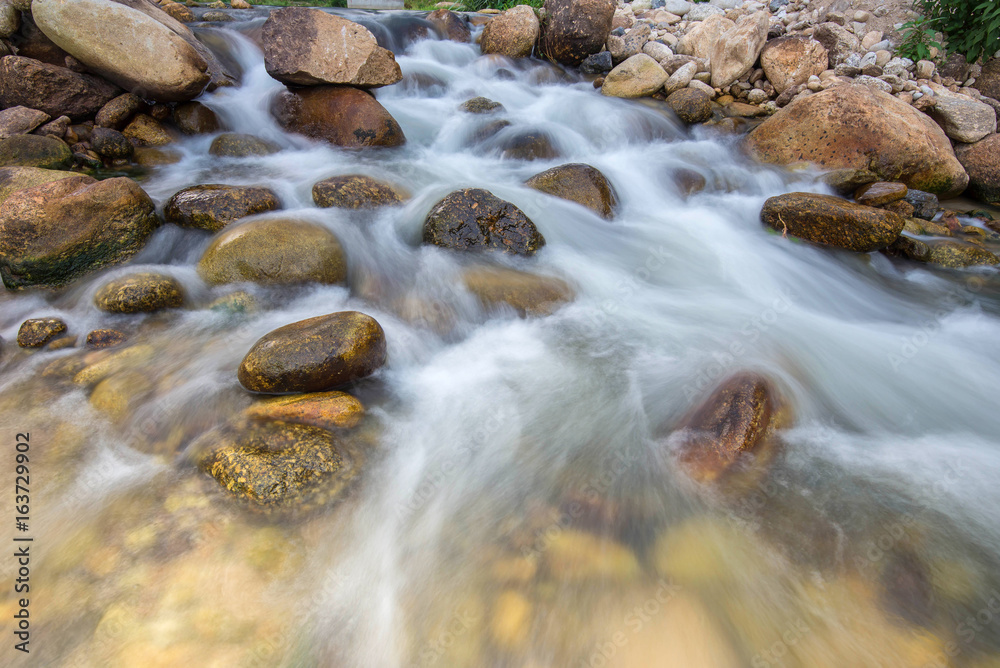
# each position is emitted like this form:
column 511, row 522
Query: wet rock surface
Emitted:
column 475, row 219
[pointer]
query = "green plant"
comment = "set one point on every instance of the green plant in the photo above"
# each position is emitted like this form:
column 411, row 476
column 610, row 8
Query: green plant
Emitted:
column 970, row 27
column 918, row 39
column 479, row 5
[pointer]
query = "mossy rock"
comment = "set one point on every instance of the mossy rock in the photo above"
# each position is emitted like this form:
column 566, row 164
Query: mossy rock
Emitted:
column 194, row 118
column 139, row 293
column 526, row 293
column 958, row 255
column 105, row 338
column 355, row 191
column 578, row 183
column 236, row 145
column 279, row 466
column 832, row 221
column 276, row 251
column 476, row 219
column 481, row 105
column 36, row 332
column 35, row 151
column 13, row 179
column 314, row 355
column 211, row 207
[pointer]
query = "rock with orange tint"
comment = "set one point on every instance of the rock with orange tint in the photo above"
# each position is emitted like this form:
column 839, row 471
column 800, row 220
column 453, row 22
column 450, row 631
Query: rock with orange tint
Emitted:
column 328, row 410
column 341, row 115
column 733, row 429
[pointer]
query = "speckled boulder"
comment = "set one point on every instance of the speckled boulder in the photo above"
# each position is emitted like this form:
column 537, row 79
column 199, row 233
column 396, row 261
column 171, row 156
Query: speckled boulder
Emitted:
column 476, row 219
column 354, row 191
column 211, row 207
column 139, row 293
column 314, row 355
column 832, row 221
column 36, row 332
column 578, row 183
column 35, row 151
column 274, row 252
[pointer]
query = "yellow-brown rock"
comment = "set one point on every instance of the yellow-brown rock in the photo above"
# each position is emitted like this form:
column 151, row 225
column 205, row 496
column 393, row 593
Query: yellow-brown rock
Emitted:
column 354, row 191
column 578, row 183
column 327, row 410
column 528, row 294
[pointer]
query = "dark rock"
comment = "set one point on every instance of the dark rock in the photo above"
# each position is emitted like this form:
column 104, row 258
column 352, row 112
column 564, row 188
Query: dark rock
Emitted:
column 314, row 355
column 578, row 183
column 475, row 219
column 597, row 63
column 35, row 151
column 982, row 161
column 117, row 112
column 274, row 252
column 450, row 25
column 111, row 144
column 340, row 115
column 212, row 207
column 527, row 145
column 925, row 205
column 575, row 29
column 194, row 118
column 236, row 145
column 36, row 332
column 105, row 338
column 55, row 90
column 354, row 191
column 139, row 293
column 831, row 221
column 691, row 105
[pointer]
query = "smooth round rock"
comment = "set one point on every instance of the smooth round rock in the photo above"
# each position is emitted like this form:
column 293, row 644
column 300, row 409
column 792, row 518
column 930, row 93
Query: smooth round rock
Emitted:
column 274, row 252
column 315, row 355
column 880, row 193
column 691, row 105
column 139, row 293
column 578, row 183
column 832, row 221
column 354, row 191
column 111, row 144
column 236, row 145
column 211, row 207
column 476, row 219
column 340, row 115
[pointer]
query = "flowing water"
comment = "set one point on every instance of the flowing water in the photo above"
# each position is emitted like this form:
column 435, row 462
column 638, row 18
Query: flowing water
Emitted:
column 520, row 506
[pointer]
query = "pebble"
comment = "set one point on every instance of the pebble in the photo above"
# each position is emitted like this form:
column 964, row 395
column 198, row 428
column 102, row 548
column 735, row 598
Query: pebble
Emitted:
column 861, row 16
column 884, row 45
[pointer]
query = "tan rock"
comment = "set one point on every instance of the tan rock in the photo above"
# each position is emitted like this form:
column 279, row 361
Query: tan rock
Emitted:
column 328, row 410
column 639, row 76
column 305, row 47
column 20, row 120
column 700, row 41
column 738, row 49
column 526, row 293
column 511, row 33
column 790, row 61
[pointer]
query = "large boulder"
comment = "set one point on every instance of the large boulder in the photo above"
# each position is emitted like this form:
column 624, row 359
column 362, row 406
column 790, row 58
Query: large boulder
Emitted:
column 306, row 47
column 838, row 41
column 982, row 161
column 13, row 179
column 578, row 183
column 314, row 355
column 354, row 191
column 274, row 251
column 341, row 115
column 280, row 467
column 962, row 118
column 853, row 127
column 700, row 40
column 55, row 90
column 738, row 49
column 450, row 25
column 732, row 433
column 35, row 151
column 53, row 233
column 511, row 33
column 211, row 207
column 988, row 81
column 126, row 46
column 790, row 61
column 831, row 221
column 141, row 292
column 476, row 219
column 638, row 76
column 575, row 29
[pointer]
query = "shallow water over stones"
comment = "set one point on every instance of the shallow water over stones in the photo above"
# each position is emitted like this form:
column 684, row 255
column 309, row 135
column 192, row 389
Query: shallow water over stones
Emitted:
column 514, row 490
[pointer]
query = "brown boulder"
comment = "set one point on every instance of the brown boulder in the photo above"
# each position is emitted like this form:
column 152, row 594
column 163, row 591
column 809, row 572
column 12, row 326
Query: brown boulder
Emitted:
column 578, row 183
column 988, row 81
column 575, row 29
column 36, row 332
column 341, row 115
column 35, row 151
column 53, row 233
column 144, row 130
column 838, row 41
column 738, row 49
column 139, row 293
column 354, row 191
column 306, row 47
column 832, row 221
column 733, row 429
column 117, row 112
column 701, row 39
column 511, row 33
column 55, row 90
column 476, row 219
column 450, row 25
column 854, row 127
column 790, row 61
column 880, row 193
column 20, row 121
column 691, row 105
column 274, row 251
column 314, row 355
column 982, row 161
column 212, row 207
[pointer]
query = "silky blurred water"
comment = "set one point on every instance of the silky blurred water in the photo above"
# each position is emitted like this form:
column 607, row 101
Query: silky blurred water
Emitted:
column 875, row 537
